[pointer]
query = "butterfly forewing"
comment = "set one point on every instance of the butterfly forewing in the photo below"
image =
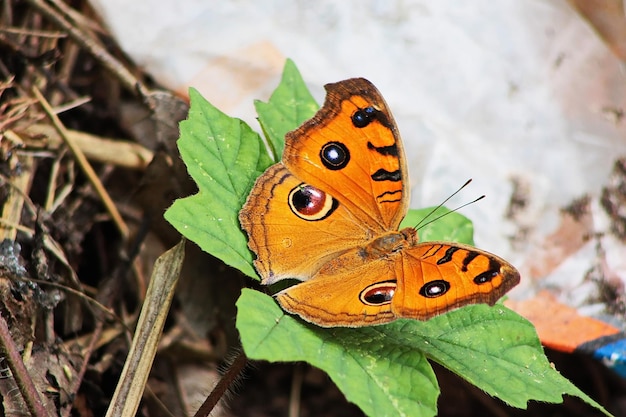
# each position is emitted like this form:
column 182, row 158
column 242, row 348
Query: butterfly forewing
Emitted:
column 352, row 150
column 285, row 224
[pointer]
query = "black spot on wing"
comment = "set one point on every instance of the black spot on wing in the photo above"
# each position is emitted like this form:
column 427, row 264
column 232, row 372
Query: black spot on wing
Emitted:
column 434, row 289
column 363, row 117
column 390, row 197
column 447, row 257
column 488, row 275
column 384, row 175
column 391, row 150
column 471, row 255
column 432, row 251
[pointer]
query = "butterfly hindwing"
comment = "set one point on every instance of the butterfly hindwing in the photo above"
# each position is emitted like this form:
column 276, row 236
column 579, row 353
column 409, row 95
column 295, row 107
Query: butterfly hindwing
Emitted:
column 423, row 281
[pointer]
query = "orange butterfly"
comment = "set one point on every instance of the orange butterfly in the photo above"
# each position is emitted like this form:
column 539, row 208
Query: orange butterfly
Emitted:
column 328, row 215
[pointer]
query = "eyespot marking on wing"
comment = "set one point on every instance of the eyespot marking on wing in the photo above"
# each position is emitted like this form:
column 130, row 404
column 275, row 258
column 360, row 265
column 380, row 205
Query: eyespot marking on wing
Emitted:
column 310, row 203
column 434, row 289
column 378, row 294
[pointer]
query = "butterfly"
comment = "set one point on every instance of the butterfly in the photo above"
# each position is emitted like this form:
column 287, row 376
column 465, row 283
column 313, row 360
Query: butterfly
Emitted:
column 328, row 215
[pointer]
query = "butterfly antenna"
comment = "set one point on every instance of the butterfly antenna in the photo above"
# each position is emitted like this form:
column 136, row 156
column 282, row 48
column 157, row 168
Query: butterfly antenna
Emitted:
column 421, row 222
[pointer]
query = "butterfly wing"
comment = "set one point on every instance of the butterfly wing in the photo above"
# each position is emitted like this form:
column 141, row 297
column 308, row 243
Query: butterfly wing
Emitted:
column 334, row 296
column 295, row 229
column 342, row 182
column 435, row 277
column 352, row 150
column 418, row 282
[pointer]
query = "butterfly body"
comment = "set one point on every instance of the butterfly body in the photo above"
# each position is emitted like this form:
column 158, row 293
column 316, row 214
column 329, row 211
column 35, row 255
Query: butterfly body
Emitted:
column 328, row 215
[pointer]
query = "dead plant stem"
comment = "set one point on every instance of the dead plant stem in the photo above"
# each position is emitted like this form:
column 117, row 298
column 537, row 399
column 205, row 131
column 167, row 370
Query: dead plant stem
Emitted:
column 20, row 373
column 84, row 164
column 92, row 46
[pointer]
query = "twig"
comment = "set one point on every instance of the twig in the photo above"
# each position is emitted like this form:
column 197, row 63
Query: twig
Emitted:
column 222, row 386
column 111, row 151
column 98, row 51
column 84, row 164
column 11, row 209
column 78, row 380
column 33, row 32
column 20, row 373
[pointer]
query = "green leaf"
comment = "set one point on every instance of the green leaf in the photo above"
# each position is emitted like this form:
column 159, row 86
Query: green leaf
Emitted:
column 382, row 369
column 372, row 370
column 495, row 349
column 224, row 156
column 290, row 105
column 452, row 227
